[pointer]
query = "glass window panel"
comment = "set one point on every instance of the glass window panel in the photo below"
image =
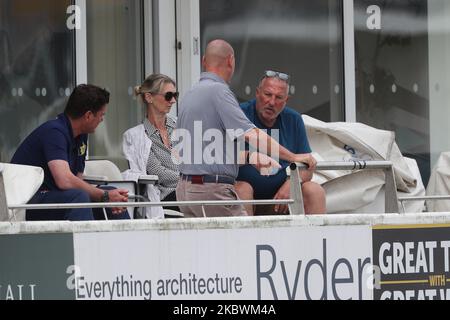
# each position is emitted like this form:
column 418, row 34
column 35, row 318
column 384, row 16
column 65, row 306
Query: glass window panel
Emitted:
column 439, row 85
column 392, row 71
column 115, row 62
column 36, row 67
column 301, row 38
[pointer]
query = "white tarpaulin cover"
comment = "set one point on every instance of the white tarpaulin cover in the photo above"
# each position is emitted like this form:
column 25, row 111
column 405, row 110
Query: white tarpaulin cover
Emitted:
column 361, row 191
column 21, row 183
column 439, row 184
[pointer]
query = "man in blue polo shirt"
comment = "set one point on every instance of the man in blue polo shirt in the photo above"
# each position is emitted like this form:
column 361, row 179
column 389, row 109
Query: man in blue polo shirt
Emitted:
column 59, row 147
column 269, row 112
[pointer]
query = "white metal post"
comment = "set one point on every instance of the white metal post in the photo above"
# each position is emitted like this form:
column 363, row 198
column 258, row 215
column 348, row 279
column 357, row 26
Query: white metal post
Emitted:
column 81, row 45
column 189, row 50
column 297, row 208
column 349, row 61
column 391, row 197
column 148, row 38
column 164, row 33
column 164, row 39
column 4, row 216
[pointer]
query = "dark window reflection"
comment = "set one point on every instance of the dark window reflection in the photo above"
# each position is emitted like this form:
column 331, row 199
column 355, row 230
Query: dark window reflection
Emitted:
column 393, row 74
column 115, row 60
column 36, row 67
column 302, row 38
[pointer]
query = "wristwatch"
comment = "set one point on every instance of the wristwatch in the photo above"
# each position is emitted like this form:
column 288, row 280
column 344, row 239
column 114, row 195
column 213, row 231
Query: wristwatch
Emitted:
column 105, row 197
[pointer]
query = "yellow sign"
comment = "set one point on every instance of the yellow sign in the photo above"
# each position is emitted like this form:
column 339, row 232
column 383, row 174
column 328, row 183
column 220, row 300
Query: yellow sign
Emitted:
column 83, row 149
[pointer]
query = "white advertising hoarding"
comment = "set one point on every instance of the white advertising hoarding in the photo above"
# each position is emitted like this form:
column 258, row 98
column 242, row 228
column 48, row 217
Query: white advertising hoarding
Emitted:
column 225, row 264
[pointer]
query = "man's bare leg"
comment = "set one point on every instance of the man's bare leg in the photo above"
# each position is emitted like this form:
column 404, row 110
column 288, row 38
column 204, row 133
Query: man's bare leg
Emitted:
column 314, row 198
column 245, row 192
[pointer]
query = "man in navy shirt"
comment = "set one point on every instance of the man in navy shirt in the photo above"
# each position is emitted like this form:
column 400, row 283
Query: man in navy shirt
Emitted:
column 269, row 112
column 59, row 147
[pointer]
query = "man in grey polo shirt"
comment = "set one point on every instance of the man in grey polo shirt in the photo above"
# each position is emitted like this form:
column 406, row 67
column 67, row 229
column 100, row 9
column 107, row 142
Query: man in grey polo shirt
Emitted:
column 209, row 127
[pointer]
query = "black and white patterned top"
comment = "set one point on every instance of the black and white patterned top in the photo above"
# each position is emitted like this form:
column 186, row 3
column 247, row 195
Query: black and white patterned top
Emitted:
column 160, row 160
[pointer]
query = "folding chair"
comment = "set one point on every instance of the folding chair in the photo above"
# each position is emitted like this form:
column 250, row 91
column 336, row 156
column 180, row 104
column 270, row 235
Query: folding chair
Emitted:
column 18, row 184
column 106, row 173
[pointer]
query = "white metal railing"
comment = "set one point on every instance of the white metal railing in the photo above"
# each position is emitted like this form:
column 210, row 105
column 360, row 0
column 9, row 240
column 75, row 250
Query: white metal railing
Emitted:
column 95, row 205
column 103, row 205
column 296, row 205
column 402, row 200
column 4, row 216
column 391, row 199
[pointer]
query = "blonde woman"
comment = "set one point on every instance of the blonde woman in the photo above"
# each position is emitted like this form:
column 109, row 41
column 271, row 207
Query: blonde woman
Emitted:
column 148, row 147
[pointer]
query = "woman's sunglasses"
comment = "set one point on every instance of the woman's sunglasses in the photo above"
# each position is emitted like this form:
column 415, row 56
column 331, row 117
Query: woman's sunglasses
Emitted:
column 168, row 96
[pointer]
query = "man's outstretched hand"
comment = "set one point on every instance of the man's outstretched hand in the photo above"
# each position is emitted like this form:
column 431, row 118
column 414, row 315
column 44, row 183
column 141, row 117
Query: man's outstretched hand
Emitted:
column 264, row 164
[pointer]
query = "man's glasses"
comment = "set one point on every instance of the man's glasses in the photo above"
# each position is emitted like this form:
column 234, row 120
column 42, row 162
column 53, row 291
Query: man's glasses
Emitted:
column 275, row 74
column 168, row 96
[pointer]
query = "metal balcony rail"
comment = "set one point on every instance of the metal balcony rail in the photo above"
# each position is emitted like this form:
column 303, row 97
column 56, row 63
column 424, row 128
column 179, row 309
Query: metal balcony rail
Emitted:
column 424, row 198
column 104, row 205
column 95, row 205
column 391, row 199
column 3, row 205
column 295, row 204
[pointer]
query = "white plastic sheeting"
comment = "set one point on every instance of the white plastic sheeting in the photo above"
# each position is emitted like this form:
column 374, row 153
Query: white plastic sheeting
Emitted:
column 361, row 191
column 439, row 184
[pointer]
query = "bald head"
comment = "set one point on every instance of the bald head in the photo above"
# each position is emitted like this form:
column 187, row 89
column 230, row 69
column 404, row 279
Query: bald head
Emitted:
column 219, row 59
column 217, row 52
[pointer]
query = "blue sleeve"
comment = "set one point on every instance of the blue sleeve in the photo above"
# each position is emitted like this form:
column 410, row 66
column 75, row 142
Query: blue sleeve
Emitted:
column 303, row 144
column 55, row 146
